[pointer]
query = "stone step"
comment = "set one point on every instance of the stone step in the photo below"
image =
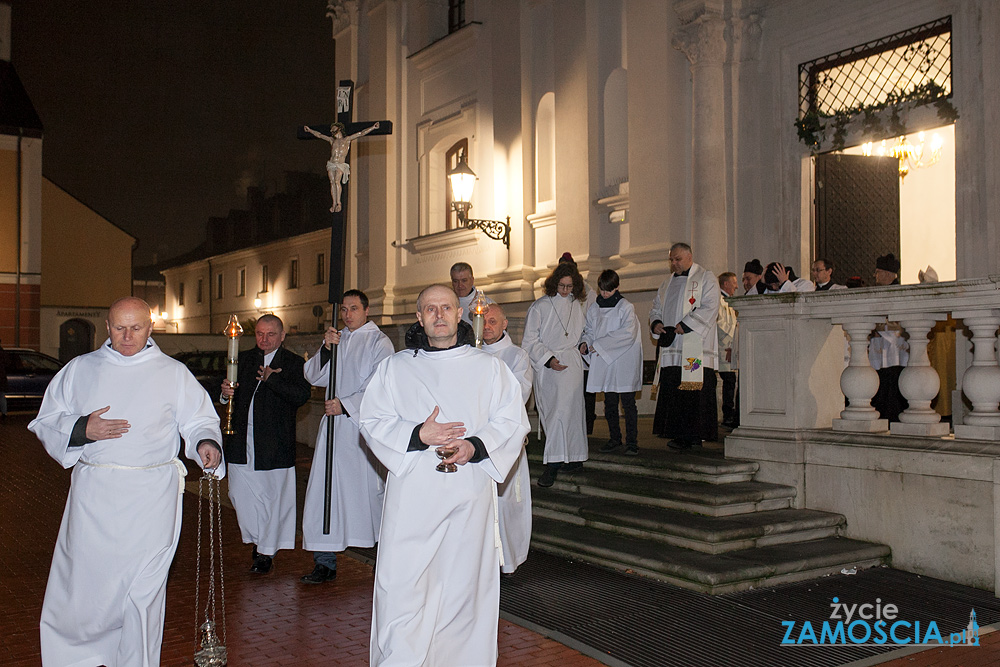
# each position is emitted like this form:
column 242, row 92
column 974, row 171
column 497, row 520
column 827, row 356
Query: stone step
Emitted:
column 704, row 466
column 708, row 573
column 698, row 497
column 707, row 534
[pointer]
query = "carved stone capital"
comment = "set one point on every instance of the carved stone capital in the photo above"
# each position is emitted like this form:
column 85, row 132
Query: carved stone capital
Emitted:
column 745, row 34
column 343, row 13
column 703, row 40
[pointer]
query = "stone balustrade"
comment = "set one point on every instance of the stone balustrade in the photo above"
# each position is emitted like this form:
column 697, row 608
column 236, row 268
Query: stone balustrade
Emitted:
column 929, row 490
column 792, row 352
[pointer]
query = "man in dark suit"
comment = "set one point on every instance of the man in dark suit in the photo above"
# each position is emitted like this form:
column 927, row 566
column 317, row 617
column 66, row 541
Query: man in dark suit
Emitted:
column 269, row 390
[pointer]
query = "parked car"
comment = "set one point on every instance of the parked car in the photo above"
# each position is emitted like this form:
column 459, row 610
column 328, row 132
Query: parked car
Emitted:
column 28, row 374
column 208, row 367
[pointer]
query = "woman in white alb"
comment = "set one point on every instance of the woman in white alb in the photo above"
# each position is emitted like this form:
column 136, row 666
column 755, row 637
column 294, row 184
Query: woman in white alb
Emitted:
column 553, row 330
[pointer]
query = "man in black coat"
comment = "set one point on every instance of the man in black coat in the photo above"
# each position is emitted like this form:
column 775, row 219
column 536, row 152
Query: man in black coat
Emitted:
column 269, row 390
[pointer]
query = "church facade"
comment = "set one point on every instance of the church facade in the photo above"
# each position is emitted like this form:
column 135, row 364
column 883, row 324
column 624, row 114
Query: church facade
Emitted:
column 613, row 129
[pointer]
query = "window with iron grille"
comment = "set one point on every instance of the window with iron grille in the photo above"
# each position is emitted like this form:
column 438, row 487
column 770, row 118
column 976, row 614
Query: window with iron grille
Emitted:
column 456, row 15
column 914, row 64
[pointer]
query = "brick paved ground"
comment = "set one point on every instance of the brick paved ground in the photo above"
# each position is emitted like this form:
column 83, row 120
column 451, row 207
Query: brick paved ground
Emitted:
column 273, row 620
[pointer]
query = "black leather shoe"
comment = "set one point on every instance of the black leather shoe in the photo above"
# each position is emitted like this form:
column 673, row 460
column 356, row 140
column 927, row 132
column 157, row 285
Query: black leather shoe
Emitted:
column 677, row 445
column 609, row 447
column 261, row 564
column 319, row 574
column 631, row 450
column 572, row 467
column 548, row 477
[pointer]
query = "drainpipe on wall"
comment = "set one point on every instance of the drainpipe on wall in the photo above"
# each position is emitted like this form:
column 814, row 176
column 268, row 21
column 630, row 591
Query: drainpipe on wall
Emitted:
column 17, row 281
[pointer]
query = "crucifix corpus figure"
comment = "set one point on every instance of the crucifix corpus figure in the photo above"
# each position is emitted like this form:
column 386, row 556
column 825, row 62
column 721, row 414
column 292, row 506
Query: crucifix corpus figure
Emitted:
column 336, row 167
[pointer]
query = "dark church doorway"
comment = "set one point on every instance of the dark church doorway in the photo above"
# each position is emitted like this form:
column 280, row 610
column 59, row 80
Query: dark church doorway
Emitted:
column 76, row 337
column 857, row 212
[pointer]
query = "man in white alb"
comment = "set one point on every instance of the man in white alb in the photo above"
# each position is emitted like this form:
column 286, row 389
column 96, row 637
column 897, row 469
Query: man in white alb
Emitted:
column 437, row 581
column 115, row 416
column 515, row 493
column 358, row 479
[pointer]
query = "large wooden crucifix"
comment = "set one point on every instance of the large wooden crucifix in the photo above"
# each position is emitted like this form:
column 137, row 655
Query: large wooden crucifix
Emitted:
column 341, row 135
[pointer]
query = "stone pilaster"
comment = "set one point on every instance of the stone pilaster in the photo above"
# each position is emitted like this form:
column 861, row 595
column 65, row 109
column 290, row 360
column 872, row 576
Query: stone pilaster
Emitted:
column 703, row 41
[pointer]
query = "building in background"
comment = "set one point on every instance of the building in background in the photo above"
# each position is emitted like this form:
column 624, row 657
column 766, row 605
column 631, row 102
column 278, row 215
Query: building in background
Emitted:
column 61, row 263
column 270, row 258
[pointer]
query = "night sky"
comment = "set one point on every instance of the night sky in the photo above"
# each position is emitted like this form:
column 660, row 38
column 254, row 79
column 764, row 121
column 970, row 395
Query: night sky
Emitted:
column 158, row 114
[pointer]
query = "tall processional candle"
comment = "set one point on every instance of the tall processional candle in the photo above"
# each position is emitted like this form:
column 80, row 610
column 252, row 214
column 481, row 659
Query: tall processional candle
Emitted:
column 233, row 331
column 478, row 316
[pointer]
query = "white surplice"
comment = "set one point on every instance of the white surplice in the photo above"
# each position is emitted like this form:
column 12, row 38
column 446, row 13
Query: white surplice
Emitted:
column 437, row 580
column 514, row 493
column 264, row 500
column 553, row 327
column 727, row 326
column 358, row 478
column 668, row 308
column 615, row 340
column 106, row 593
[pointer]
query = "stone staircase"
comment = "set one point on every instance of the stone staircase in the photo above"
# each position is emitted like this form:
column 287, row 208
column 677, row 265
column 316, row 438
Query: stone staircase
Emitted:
column 698, row 521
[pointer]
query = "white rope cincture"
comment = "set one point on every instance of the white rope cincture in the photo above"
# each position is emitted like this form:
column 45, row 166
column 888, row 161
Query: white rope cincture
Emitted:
column 496, row 523
column 174, row 462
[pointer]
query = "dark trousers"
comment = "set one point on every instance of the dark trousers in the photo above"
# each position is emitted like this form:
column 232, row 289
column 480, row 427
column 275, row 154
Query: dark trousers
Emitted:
column 730, row 408
column 686, row 416
column 889, row 401
column 631, row 417
column 589, row 404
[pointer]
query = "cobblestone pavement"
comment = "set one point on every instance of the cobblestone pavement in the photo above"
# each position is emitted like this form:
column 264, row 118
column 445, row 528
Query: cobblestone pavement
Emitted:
column 272, row 619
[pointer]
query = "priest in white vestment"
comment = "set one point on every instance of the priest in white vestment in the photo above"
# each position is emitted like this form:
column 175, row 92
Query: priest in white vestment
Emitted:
column 115, row 416
column 514, row 493
column 727, row 351
column 683, row 319
column 437, row 579
column 358, row 478
column 612, row 343
column 553, row 329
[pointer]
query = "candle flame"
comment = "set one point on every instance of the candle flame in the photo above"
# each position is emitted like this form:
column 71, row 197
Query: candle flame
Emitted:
column 233, row 329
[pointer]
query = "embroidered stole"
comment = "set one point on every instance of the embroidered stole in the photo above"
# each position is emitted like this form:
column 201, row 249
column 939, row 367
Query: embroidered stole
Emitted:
column 692, row 349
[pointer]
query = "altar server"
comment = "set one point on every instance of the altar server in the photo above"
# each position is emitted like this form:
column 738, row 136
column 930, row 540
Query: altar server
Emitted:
column 115, row 416
column 683, row 319
column 437, row 580
column 552, row 331
column 514, row 493
column 358, row 478
column 613, row 345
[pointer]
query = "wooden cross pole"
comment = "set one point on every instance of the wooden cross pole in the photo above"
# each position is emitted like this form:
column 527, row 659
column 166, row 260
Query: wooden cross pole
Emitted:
column 337, row 168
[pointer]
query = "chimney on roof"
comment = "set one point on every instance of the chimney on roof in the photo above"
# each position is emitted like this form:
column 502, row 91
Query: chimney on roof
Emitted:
column 5, row 31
